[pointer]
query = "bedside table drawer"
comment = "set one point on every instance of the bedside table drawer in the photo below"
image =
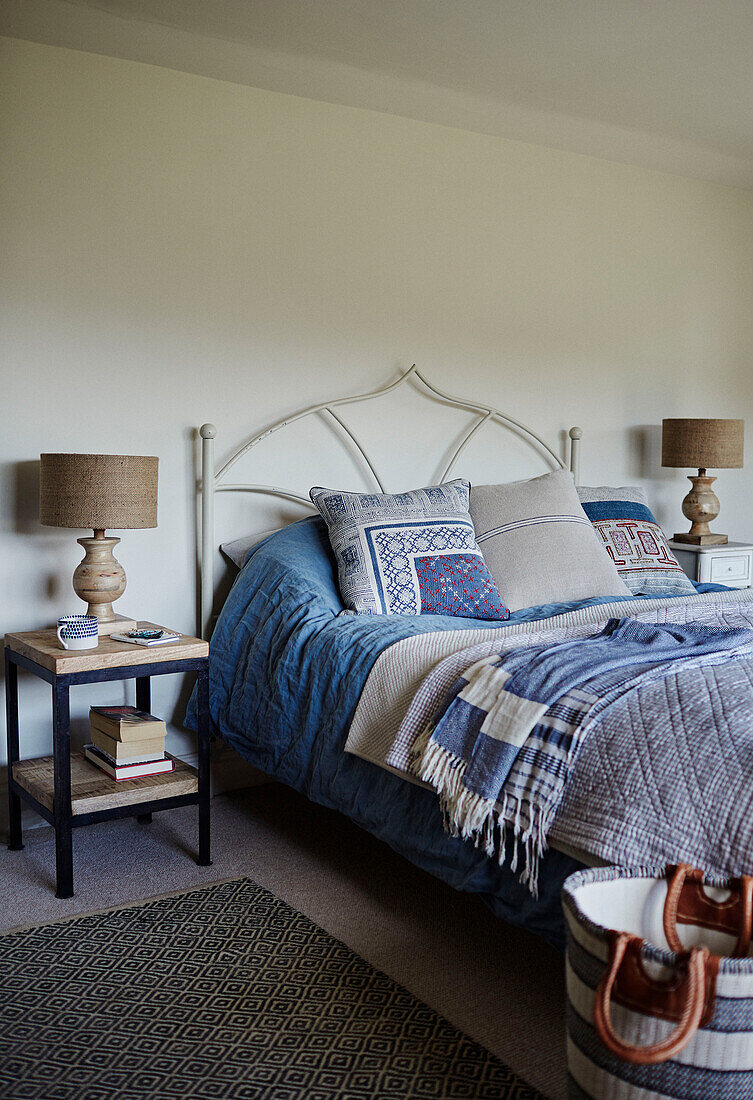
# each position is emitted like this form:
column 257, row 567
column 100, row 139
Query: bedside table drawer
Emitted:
column 729, row 563
column 729, row 568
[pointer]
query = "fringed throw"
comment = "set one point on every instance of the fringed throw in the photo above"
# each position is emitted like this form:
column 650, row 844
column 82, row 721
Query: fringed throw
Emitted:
column 501, row 747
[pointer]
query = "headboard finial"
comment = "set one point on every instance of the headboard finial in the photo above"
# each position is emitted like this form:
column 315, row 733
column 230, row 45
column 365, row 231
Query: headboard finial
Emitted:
column 576, row 433
column 207, row 431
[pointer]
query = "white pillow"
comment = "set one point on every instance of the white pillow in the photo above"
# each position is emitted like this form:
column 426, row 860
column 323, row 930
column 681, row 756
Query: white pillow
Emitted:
column 539, row 544
column 239, row 548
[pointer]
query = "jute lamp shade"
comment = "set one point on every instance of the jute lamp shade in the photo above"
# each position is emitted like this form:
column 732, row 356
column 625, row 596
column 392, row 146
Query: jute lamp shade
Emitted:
column 101, row 492
column 704, row 444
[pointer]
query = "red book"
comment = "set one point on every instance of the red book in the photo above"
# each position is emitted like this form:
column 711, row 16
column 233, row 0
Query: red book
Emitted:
column 127, row 771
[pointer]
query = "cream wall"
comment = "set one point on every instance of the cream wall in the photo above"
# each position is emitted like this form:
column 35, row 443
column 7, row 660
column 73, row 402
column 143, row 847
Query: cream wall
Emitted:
column 178, row 249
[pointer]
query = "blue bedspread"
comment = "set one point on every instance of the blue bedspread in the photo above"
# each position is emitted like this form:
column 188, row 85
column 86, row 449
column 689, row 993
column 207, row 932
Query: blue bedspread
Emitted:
column 286, row 672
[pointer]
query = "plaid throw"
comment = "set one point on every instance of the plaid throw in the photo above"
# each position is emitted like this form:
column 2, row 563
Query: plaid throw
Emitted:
column 500, row 747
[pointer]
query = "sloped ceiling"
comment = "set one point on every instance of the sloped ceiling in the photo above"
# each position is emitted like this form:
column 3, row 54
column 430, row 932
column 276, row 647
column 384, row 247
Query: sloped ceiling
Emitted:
column 665, row 84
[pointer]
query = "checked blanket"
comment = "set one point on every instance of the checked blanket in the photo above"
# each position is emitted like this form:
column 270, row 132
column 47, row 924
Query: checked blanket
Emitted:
column 501, row 746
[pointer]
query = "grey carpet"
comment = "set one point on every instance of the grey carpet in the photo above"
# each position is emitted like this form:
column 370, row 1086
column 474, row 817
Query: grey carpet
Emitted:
column 499, row 985
column 221, row 992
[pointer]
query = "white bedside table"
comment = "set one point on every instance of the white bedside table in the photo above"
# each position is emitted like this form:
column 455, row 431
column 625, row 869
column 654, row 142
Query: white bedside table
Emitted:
column 730, row 563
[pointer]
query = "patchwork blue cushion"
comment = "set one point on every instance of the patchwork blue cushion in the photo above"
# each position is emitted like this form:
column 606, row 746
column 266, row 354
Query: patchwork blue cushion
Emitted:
column 634, row 540
column 411, row 553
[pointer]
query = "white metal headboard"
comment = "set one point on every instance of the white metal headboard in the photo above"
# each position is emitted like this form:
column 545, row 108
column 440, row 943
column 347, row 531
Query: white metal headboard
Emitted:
column 212, row 481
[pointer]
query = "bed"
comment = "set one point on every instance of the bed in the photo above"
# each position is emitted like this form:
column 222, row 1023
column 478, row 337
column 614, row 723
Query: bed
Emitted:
column 318, row 698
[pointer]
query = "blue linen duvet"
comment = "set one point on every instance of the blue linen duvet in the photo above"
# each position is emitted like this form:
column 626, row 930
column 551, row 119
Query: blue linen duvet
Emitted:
column 286, row 672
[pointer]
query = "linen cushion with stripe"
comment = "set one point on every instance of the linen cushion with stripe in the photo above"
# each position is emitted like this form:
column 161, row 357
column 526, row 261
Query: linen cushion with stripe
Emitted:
column 539, row 544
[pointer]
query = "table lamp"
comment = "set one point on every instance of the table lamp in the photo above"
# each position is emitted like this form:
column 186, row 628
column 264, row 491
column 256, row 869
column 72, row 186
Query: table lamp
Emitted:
column 101, row 492
column 714, row 444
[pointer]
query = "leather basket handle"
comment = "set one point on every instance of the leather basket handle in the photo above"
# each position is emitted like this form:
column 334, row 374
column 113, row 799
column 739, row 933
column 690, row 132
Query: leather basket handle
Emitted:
column 687, row 901
column 692, row 1010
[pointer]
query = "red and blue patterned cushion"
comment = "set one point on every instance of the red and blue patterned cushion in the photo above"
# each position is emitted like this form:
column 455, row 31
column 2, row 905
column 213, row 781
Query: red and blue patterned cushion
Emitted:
column 634, row 540
column 412, row 553
column 458, row 584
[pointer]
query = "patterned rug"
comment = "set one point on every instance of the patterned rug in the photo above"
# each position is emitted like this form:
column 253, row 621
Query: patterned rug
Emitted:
column 227, row 993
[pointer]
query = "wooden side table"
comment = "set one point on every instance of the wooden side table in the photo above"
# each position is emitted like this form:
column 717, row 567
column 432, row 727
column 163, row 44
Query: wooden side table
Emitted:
column 69, row 792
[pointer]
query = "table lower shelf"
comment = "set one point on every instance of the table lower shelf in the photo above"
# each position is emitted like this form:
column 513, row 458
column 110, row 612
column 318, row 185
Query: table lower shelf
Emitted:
column 93, row 791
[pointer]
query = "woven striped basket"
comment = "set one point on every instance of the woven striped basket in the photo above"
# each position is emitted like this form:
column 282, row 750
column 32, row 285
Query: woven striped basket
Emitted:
column 645, row 1021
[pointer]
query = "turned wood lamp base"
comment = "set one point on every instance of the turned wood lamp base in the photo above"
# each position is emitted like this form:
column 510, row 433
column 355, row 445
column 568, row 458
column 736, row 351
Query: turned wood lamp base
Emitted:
column 99, row 580
column 701, row 506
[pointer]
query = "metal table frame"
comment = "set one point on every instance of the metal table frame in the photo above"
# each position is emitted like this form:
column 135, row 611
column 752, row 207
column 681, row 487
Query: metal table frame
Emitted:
column 61, row 817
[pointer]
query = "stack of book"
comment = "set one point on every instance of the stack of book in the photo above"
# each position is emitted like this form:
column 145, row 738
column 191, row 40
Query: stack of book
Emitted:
column 127, row 743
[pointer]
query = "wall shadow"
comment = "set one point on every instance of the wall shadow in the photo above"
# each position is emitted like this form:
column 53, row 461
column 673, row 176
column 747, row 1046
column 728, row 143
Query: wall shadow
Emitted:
column 644, row 453
column 25, row 476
